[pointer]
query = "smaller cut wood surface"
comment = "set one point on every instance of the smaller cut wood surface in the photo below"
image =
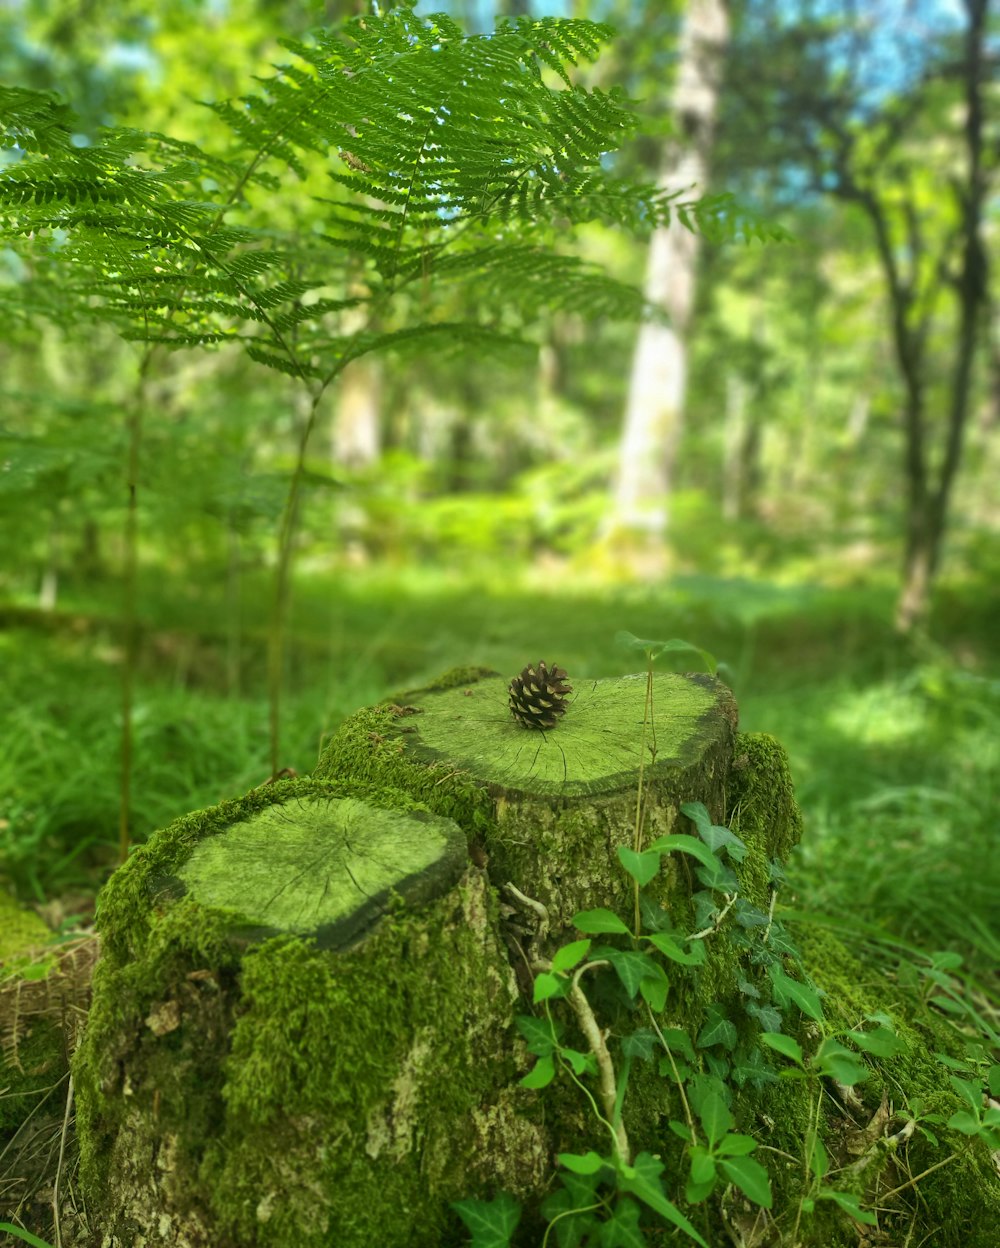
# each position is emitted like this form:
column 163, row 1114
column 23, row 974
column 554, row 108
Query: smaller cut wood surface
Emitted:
column 323, row 866
column 595, row 748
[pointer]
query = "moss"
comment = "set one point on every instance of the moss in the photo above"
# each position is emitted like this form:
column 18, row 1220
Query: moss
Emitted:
column 761, row 796
column 381, row 1113
column 20, row 929
column 282, row 1091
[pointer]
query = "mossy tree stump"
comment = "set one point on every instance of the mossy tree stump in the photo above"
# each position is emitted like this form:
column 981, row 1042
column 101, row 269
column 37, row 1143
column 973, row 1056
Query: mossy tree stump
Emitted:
column 302, row 1027
column 551, row 808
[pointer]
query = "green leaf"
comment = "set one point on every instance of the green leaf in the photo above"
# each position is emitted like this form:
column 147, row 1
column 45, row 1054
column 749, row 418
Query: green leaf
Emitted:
column 540, row 1075
column 668, row 946
column 622, row 1229
column 678, row 1041
column 695, row 1193
column 654, row 649
column 817, row 1156
column 714, row 835
column 849, row 1203
column 581, row 1063
column 946, row 961
column 685, row 845
column 654, row 993
column 19, row 1233
column 750, row 1177
column 968, row 1091
column 788, row 990
column 641, row 867
column 717, row 1030
column 645, row 1183
column 782, row 1044
column 569, row 955
column 539, row 1033
column 736, row 1146
column 881, row 1042
column 581, row 1163
column 768, row 1016
column 632, row 967
column 641, row 1044
column 993, row 1081
column 837, row 1062
column 598, row 922
column 680, row 1129
column 715, row 1117
column 547, row 986
column 492, row 1222
column 702, row 1165
column 968, row 1124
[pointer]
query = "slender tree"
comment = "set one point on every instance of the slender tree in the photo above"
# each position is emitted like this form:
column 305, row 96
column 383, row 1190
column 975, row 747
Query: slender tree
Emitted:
column 655, row 406
column 886, row 110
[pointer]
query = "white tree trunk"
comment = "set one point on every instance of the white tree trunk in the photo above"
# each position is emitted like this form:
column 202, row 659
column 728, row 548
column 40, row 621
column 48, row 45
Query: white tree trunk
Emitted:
column 655, row 408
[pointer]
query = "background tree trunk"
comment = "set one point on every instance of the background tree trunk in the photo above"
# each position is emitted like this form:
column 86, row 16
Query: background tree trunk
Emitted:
column 655, row 406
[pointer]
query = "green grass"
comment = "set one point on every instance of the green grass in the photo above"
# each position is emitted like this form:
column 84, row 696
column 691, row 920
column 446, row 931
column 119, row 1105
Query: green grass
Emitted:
column 894, row 750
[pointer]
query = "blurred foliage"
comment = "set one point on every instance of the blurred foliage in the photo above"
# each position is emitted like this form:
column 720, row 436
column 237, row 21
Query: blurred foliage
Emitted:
column 476, row 532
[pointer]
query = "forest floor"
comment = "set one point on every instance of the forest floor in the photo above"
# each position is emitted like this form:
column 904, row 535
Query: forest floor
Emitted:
column 894, row 747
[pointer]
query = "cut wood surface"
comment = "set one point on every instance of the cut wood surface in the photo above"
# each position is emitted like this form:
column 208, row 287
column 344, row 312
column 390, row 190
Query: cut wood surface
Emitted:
column 323, row 866
column 595, row 749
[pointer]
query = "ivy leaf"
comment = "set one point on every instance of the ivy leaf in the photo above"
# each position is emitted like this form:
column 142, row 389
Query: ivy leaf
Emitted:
column 569, row 955
column 715, row 835
column 644, row 1182
column 717, row 1030
column 768, row 1017
column 678, row 1041
column 581, row 1063
column 750, row 1177
column 541, row 1074
column 654, row 993
column 641, row 1044
column 539, row 1033
column 632, row 968
column 491, row 1222
column 685, row 845
column 641, row 867
column 787, row 989
column 598, row 922
column 547, row 986
column 581, row 1163
column 668, row 946
column 622, row 1229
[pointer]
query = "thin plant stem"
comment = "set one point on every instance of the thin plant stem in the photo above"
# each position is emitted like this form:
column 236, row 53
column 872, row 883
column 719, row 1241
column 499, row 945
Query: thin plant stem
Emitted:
column 133, row 434
column 639, row 809
column 59, row 1164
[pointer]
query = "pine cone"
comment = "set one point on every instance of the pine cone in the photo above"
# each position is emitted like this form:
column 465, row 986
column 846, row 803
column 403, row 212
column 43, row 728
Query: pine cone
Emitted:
column 538, row 696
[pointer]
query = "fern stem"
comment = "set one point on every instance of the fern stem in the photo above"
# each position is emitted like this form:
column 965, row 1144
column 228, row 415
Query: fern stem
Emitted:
column 133, row 432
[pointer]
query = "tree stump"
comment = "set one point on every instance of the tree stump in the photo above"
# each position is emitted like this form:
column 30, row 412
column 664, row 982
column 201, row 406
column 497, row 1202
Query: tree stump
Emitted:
column 303, row 1019
column 549, row 809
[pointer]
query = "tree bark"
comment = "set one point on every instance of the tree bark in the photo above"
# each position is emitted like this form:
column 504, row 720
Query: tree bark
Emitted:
column 657, row 387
